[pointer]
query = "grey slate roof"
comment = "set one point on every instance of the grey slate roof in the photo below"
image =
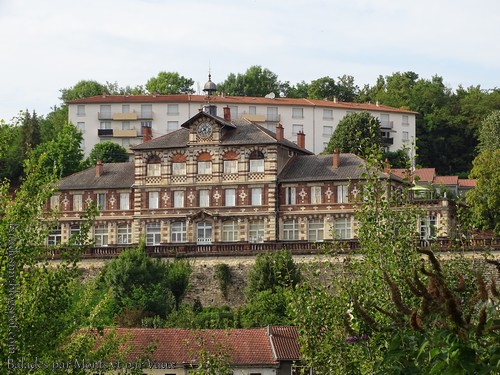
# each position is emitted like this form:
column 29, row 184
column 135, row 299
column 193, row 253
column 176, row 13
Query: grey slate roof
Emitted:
column 114, row 176
column 320, row 168
column 238, row 133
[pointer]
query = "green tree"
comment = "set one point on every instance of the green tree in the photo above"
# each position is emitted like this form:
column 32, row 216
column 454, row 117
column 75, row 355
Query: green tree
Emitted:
column 267, row 307
column 139, row 283
column 322, row 88
column 484, row 199
column 397, row 159
column 178, row 275
column 390, row 312
column 30, row 133
column 270, row 271
column 300, row 90
column 64, row 152
column 489, row 132
column 170, row 83
column 107, row 152
column 256, row 81
column 356, row 133
column 41, row 319
column 11, row 162
column 347, row 90
column 53, row 123
column 83, row 89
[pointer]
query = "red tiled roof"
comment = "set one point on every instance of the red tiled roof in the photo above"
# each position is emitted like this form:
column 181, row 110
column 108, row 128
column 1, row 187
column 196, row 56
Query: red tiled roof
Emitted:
column 425, row 174
column 445, row 180
column 284, row 340
column 245, row 346
column 180, row 98
column 466, row 182
column 400, row 172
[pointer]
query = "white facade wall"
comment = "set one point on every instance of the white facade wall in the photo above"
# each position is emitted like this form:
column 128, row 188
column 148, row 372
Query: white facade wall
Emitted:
column 316, row 121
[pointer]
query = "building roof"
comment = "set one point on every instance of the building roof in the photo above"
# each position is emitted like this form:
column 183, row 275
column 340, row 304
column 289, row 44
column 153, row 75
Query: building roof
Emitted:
column 237, row 134
column 466, row 182
column 245, row 347
column 114, row 176
column 235, row 100
column 445, row 180
column 320, row 167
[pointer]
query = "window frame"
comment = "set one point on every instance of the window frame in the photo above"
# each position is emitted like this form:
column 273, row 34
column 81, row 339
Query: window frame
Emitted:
column 153, row 233
column 227, row 194
column 179, row 198
column 153, row 199
column 290, row 230
column 123, row 234
column 230, row 231
column 178, row 232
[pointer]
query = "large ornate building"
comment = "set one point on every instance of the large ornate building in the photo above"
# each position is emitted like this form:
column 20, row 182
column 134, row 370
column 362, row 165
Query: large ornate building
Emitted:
column 219, row 181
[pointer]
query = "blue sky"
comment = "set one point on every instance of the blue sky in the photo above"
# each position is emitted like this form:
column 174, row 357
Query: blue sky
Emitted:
column 49, row 45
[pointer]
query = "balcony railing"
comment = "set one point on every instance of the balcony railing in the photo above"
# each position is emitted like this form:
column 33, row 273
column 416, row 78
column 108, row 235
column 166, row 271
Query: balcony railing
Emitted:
column 387, row 140
column 245, row 248
column 387, row 124
column 105, row 132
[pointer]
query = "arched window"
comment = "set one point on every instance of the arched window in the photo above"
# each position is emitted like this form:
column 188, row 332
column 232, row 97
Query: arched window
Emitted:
column 153, row 167
column 179, row 165
column 256, row 161
column 230, row 162
column 204, row 163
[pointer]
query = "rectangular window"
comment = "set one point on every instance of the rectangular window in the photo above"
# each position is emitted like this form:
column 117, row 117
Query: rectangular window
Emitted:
column 172, row 126
column 153, row 236
column 125, row 142
column 80, row 110
column 146, row 111
column 256, row 231
column 105, row 125
column 290, row 230
column 230, row 197
column 125, row 125
column 101, row 235
column 290, row 197
column 428, row 227
column 54, row 202
column 343, row 228
column 77, row 202
column 384, row 120
column 405, row 121
column 124, row 201
column 256, row 196
column 230, row 231
column 124, row 234
column 327, row 131
column 153, row 199
column 272, row 114
column 342, row 194
column 230, row 166
column 101, row 201
column 328, row 114
column 172, row 109
column 105, row 111
column 297, row 112
column 405, row 137
column 234, row 111
column 252, row 110
column 315, row 230
column 178, row 198
column 125, row 108
column 74, row 234
column 80, row 126
column 315, row 194
column 204, row 167
column 153, row 169
column 296, row 128
column 54, row 238
column 256, row 165
column 204, row 198
column 179, row 169
column 178, row 231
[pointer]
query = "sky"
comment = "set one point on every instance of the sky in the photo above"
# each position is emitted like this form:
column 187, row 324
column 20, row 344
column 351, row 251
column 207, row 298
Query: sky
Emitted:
column 50, row 45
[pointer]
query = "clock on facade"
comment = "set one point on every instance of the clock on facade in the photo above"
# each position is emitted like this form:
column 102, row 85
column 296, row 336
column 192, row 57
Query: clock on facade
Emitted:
column 204, row 130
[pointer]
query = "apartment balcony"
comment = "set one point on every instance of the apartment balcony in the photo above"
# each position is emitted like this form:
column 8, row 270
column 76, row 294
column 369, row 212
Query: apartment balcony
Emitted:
column 387, row 141
column 104, row 116
column 131, row 133
column 105, row 132
column 387, row 124
column 129, row 116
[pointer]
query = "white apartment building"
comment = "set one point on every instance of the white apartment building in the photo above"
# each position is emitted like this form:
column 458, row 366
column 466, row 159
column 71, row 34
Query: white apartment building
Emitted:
column 122, row 118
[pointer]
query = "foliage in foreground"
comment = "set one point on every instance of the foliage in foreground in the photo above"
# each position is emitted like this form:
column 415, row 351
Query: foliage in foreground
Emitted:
column 387, row 311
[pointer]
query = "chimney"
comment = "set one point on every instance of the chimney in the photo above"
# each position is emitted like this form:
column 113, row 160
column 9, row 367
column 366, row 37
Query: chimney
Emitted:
column 99, row 168
column 279, row 132
column 301, row 139
column 147, row 132
column 336, row 158
column 227, row 114
column 335, row 99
